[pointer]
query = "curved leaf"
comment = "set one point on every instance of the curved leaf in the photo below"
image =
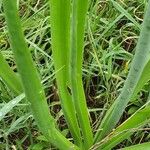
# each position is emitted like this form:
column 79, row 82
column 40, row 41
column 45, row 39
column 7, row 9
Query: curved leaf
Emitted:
column 126, row 129
column 140, row 61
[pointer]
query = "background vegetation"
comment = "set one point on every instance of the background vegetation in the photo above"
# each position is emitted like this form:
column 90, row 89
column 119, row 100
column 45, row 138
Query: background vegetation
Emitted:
column 110, row 40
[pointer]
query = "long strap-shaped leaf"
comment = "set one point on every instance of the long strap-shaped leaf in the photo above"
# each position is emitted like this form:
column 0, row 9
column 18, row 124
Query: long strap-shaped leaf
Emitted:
column 60, row 11
column 9, row 77
column 77, row 35
column 30, row 79
column 140, row 60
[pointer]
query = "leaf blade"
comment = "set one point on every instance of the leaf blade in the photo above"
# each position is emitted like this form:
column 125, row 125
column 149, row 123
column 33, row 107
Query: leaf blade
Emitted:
column 60, row 29
column 143, row 54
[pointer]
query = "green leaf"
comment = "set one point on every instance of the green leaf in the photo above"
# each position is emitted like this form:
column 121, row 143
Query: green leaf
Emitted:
column 125, row 12
column 135, row 80
column 9, row 77
column 30, row 78
column 140, row 118
column 0, row 4
column 17, row 124
column 76, row 57
column 60, row 11
column 10, row 105
column 145, row 76
column 143, row 146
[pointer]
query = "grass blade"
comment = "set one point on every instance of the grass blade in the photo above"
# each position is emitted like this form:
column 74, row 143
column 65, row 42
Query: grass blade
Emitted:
column 17, row 124
column 30, row 78
column 77, row 46
column 144, row 146
column 137, row 68
column 60, row 29
column 123, row 11
column 9, row 77
column 126, row 129
column 10, row 105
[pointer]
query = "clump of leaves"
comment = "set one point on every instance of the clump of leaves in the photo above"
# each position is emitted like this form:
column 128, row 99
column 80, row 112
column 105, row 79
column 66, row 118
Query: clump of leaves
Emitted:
column 67, row 28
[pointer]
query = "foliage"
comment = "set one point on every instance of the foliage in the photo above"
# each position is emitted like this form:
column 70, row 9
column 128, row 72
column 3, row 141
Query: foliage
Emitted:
column 68, row 19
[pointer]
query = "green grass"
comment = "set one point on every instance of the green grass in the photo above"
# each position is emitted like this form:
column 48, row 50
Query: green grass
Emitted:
column 110, row 40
